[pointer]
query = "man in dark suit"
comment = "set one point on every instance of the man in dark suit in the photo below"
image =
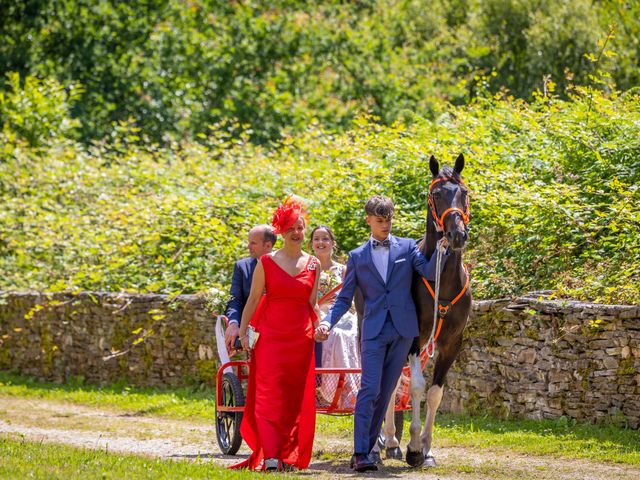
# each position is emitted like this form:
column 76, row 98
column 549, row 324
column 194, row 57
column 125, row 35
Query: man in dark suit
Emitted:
column 260, row 242
column 383, row 270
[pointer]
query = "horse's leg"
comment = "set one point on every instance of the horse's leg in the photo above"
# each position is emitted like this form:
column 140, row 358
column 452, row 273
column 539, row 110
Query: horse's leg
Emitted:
column 389, row 429
column 446, row 357
column 376, row 449
column 415, row 457
column 391, row 444
column 434, row 397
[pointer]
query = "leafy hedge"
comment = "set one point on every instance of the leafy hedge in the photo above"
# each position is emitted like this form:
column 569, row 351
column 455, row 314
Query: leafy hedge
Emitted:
column 173, row 68
column 555, row 203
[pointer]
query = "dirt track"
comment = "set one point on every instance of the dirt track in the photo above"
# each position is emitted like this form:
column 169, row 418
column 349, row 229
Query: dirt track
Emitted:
column 57, row 422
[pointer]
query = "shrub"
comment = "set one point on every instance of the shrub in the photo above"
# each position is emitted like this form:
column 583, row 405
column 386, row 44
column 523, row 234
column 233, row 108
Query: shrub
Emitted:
column 554, row 199
column 35, row 111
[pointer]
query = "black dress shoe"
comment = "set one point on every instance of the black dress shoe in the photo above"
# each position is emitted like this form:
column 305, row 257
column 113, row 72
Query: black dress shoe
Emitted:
column 362, row 463
column 376, row 458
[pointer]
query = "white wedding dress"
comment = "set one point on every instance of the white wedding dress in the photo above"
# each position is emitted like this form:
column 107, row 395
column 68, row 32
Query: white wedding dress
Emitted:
column 340, row 350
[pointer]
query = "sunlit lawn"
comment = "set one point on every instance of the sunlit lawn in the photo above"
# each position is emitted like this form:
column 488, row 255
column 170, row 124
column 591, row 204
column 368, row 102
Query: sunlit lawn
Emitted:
column 560, row 438
column 20, row 459
column 181, row 403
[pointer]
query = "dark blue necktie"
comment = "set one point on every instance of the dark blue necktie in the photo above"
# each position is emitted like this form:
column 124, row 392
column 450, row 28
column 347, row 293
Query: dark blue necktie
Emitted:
column 375, row 243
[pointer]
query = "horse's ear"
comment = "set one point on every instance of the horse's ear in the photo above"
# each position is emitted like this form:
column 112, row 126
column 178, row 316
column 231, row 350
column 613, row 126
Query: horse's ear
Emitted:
column 459, row 164
column 434, row 166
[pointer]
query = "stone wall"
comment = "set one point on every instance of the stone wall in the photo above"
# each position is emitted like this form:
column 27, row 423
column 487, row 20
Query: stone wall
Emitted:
column 530, row 356
column 143, row 339
column 541, row 358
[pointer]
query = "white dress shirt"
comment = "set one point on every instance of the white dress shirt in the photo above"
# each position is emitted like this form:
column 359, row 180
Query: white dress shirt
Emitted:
column 380, row 258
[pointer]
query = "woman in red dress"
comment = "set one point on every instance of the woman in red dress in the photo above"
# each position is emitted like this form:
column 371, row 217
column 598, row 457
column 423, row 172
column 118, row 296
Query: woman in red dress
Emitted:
column 280, row 413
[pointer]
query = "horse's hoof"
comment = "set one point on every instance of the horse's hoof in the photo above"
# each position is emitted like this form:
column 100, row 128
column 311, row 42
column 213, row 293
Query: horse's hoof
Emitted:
column 429, row 461
column 415, row 459
column 394, row 453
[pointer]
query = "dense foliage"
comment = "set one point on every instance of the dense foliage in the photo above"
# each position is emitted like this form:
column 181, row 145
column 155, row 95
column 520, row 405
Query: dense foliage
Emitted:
column 173, row 68
column 555, row 202
column 140, row 140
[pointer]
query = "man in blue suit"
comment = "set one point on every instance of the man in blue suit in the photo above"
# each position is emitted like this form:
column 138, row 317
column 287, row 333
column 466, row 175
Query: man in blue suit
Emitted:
column 383, row 270
column 260, row 242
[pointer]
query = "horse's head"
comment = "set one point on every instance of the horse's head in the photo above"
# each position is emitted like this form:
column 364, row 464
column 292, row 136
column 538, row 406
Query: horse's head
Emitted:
column 449, row 202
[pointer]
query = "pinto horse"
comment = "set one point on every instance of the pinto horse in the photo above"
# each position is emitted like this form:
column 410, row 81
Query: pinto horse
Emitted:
column 448, row 216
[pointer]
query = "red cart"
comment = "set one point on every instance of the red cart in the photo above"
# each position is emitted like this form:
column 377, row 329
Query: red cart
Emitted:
column 230, row 397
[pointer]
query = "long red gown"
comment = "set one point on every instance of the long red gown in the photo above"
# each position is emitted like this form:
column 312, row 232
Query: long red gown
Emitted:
column 280, row 413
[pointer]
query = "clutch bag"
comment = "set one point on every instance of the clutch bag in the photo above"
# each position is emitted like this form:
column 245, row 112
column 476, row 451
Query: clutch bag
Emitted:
column 252, row 336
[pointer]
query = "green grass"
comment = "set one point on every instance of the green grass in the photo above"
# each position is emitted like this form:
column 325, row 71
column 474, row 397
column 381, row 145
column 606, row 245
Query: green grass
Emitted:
column 181, row 403
column 335, row 425
column 560, row 438
column 20, row 459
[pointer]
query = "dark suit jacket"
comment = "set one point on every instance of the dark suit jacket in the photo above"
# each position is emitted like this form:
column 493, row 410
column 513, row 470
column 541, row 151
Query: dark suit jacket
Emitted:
column 381, row 297
column 240, row 287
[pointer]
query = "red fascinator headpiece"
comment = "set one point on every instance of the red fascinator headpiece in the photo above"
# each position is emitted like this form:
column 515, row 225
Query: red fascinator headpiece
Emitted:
column 287, row 214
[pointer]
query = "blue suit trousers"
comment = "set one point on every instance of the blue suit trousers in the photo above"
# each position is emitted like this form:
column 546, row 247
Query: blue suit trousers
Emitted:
column 388, row 350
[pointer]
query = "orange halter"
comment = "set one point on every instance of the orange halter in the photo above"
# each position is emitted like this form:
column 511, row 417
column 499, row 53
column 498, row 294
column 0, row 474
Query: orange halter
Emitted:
column 439, row 220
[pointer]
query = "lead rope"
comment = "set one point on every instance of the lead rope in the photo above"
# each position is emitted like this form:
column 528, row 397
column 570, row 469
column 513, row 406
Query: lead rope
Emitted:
column 431, row 347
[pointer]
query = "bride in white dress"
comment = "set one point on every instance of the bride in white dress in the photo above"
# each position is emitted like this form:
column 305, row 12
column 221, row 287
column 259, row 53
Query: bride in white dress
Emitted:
column 340, row 350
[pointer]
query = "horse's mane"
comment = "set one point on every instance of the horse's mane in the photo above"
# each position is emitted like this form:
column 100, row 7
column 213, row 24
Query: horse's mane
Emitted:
column 448, row 172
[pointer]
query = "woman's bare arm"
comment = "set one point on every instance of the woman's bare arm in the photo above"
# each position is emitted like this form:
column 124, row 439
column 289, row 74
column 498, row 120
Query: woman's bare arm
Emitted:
column 313, row 300
column 257, row 288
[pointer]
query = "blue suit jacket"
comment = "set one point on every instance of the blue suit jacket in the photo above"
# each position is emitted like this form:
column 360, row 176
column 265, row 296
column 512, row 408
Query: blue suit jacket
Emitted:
column 380, row 298
column 240, row 287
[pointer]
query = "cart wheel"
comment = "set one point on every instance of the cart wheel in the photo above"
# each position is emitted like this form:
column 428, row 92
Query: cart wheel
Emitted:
column 228, row 423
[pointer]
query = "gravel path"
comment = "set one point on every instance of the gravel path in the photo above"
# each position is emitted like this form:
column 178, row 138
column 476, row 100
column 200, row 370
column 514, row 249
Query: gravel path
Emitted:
column 87, row 427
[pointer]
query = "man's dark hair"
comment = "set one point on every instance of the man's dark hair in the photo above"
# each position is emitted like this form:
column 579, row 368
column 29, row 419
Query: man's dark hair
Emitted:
column 268, row 235
column 379, row 206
